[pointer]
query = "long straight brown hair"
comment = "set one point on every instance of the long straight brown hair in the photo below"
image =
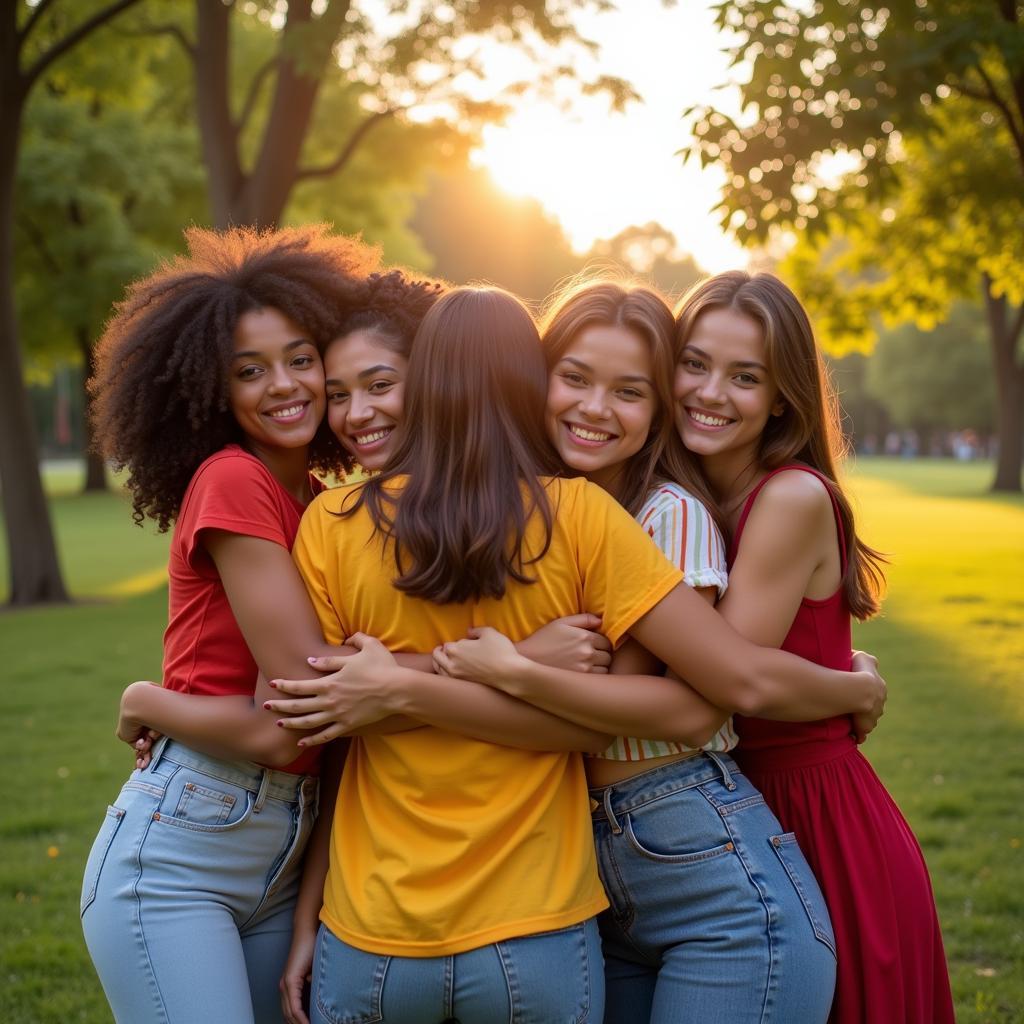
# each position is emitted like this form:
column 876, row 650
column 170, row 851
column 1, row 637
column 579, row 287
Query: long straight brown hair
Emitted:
column 472, row 448
column 606, row 303
column 808, row 430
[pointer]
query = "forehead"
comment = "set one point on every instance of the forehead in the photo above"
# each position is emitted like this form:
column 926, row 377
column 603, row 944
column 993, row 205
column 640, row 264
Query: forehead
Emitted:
column 610, row 351
column 728, row 336
column 352, row 353
column 264, row 328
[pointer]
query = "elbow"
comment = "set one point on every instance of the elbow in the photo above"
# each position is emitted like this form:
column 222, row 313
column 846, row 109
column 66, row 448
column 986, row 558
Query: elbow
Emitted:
column 277, row 750
column 749, row 695
column 596, row 743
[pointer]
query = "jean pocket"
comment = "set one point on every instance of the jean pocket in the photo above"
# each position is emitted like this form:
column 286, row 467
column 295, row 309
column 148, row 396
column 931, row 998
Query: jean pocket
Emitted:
column 203, row 803
column 98, row 855
column 348, row 983
column 806, row 885
column 681, row 828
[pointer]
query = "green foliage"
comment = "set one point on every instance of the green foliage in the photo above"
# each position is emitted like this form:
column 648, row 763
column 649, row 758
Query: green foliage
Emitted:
column 935, row 379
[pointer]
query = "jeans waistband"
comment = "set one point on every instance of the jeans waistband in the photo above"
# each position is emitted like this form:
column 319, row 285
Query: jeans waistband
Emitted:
column 266, row 783
column 620, row 797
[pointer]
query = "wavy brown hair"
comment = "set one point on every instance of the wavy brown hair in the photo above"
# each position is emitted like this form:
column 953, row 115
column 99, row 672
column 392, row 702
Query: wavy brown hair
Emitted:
column 391, row 306
column 472, row 449
column 604, row 303
column 808, row 430
column 161, row 383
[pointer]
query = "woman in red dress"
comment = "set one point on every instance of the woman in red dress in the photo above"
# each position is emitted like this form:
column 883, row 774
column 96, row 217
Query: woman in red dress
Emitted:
column 754, row 404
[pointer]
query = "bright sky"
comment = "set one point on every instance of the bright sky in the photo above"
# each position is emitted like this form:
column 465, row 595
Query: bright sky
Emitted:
column 599, row 172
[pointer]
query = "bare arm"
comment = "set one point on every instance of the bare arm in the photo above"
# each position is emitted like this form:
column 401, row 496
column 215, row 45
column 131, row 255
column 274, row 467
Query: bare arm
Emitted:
column 372, row 685
column 306, row 919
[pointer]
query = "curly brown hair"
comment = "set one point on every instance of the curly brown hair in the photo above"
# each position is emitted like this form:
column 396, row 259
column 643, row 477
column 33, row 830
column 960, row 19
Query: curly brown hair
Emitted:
column 161, row 382
column 392, row 305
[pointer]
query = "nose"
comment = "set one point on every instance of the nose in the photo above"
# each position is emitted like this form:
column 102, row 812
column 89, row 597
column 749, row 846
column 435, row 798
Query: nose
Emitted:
column 594, row 403
column 360, row 408
column 709, row 391
column 281, row 380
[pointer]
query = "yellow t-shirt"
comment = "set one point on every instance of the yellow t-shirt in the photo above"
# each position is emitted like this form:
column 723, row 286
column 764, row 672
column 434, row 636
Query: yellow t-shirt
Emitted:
column 443, row 843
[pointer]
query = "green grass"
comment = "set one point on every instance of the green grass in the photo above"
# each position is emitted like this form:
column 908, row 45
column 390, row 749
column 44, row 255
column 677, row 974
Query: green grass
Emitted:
column 951, row 746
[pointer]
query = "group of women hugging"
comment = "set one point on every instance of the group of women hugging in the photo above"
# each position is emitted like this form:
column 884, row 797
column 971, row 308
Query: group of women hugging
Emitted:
column 578, row 635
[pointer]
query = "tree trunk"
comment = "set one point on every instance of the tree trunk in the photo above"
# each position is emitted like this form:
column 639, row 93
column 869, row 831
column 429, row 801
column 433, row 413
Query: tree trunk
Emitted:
column 95, row 463
column 1004, row 335
column 34, row 569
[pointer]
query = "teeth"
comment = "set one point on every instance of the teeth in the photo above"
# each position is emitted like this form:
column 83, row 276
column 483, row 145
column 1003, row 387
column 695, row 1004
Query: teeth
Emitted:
column 708, row 421
column 377, row 435
column 590, row 435
column 292, row 410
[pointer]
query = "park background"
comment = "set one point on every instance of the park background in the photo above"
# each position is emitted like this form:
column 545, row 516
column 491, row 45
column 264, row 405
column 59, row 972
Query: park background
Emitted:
column 872, row 156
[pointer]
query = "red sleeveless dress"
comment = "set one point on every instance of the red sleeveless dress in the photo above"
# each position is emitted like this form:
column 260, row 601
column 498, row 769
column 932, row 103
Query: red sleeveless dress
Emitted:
column 891, row 965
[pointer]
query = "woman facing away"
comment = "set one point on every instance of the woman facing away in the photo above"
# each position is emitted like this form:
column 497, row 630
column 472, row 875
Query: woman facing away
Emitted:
column 210, row 391
column 754, row 404
column 462, row 876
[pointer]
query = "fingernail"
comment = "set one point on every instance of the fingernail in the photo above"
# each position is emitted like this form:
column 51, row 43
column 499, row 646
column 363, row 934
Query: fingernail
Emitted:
column 280, row 723
column 266, row 705
column 272, row 683
column 312, row 660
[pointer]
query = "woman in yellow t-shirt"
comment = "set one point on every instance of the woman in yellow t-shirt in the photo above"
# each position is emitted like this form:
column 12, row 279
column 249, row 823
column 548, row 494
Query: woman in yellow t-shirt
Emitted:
column 462, row 879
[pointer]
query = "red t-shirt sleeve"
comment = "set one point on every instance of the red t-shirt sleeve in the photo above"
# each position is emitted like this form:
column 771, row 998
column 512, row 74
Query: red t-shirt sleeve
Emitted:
column 234, row 493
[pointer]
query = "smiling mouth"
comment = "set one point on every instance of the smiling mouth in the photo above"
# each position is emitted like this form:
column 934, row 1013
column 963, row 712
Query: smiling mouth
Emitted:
column 371, row 438
column 705, row 419
column 288, row 413
column 586, row 436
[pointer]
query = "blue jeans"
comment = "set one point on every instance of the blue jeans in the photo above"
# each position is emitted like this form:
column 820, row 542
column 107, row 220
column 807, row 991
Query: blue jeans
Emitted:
column 715, row 915
column 189, row 889
column 545, row 978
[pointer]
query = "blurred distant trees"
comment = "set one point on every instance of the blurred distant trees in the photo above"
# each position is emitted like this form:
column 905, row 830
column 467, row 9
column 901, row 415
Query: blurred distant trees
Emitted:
column 652, row 252
column 33, row 40
column 924, row 104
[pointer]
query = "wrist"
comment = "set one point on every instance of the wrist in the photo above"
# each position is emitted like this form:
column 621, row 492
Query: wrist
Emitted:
column 518, row 677
column 399, row 697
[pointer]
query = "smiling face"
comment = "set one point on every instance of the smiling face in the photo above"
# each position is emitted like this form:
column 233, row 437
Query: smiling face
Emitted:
column 601, row 401
column 276, row 386
column 365, row 395
column 724, row 390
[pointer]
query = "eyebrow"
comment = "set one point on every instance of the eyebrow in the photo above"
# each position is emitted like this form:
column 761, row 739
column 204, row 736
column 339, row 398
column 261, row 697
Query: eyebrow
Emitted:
column 369, row 372
column 637, row 378
column 739, row 362
column 257, row 355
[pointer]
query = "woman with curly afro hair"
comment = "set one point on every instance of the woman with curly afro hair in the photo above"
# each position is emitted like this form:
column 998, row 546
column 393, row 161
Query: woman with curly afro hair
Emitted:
column 210, row 393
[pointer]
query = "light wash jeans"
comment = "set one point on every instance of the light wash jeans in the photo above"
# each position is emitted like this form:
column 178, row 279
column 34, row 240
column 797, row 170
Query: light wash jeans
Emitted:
column 545, row 978
column 189, row 889
column 715, row 915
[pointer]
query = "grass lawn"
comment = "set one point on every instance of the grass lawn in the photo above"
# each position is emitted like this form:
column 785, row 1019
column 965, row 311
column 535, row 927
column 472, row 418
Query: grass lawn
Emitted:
column 951, row 746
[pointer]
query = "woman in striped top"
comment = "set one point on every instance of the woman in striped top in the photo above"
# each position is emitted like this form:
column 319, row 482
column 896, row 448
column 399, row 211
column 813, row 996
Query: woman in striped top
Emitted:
column 714, row 911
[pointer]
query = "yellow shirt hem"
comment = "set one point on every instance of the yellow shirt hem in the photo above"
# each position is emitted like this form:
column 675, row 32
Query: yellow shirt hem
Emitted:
column 464, row 943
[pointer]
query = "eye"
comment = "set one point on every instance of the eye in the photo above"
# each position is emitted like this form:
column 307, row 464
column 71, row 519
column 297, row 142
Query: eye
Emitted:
column 571, row 377
column 631, row 394
column 303, row 362
column 337, row 396
column 745, row 378
column 690, row 363
column 379, row 387
column 249, row 372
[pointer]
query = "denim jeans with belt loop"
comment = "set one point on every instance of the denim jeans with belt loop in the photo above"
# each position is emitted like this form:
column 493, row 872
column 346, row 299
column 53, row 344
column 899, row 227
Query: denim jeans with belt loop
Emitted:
column 715, row 914
column 189, row 889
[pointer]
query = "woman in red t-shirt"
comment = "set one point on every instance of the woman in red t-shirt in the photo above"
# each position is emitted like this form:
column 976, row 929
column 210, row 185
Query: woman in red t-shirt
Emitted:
column 754, row 404
column 210, row 392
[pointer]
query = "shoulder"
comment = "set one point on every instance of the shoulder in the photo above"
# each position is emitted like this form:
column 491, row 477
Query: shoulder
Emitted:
column 795, row 494
column 669, row 498
column 229, row 468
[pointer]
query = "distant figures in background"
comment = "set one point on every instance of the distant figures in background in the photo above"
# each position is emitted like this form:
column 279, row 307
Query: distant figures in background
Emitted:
column 963, row 445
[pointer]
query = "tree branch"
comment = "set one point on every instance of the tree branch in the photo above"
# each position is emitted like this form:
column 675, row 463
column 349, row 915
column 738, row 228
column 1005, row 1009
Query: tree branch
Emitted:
column 73, row 38
column 991, row 94
column 347, row 151
column 176, row 32
column 253, row 94
column 37, row 12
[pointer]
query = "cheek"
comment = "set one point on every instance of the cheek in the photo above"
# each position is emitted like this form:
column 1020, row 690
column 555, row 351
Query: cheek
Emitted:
column 336, row 421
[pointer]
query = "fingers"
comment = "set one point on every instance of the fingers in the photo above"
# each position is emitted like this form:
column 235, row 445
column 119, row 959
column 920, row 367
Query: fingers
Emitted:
column 442, row 661
column 601, row 642
column 291, row 1000
column 300, row 687
column 311, row 721
column 332, row 732
column 600, row 659
column 364, row 642
column 329, row 662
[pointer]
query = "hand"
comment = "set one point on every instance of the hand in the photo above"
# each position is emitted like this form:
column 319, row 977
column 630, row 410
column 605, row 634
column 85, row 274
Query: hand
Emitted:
column 485, row 656
column 355, row 695
column 298, row 971
column 571, row 643
column 864, row 722
column 131, row 729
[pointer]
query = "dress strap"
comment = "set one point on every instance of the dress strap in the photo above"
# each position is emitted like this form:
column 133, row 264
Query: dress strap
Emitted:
column 752, row 497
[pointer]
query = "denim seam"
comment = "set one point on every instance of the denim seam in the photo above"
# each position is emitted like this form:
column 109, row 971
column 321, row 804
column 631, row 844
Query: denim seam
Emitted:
column 765, row 902
column 510, row 983
column 626, row 922
column 585, row 966
column 675, row 858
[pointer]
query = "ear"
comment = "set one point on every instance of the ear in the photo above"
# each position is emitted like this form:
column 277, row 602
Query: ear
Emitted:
column 779, row 407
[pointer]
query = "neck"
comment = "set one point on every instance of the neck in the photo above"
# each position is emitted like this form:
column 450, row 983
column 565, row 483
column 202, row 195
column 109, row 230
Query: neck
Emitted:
column 609, row 479
column 290, row 467
column 732, row 476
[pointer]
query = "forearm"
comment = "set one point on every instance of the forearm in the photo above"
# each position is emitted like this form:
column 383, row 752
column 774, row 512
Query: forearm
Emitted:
column 227, row 727
column 654, row 707
column 484, row 713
